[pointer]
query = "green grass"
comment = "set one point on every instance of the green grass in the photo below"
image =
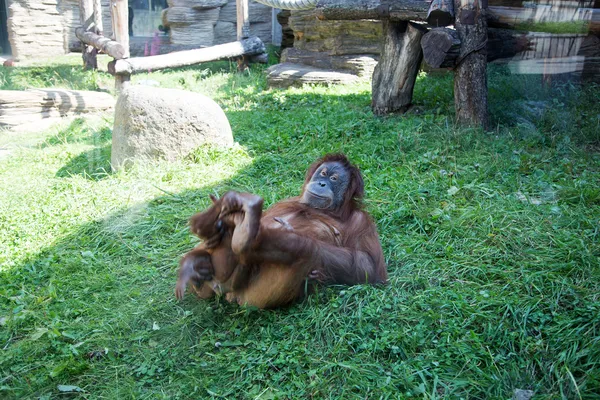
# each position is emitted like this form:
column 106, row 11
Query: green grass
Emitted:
column 491, row 239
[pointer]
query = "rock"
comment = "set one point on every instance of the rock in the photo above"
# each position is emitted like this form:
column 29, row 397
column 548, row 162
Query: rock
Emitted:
column 521, row 394
column 288, row 74
column 154, row 123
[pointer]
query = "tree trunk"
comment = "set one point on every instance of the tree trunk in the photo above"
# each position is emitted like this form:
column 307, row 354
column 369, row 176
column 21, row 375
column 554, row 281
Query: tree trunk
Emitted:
column 395, row 74
column 470, row 80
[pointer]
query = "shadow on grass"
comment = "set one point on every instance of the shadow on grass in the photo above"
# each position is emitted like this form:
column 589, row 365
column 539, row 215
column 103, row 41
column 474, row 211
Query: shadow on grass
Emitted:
column 93, row 164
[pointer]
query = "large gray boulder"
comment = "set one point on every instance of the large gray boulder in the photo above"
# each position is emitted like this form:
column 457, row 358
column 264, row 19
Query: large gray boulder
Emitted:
column 154, row 123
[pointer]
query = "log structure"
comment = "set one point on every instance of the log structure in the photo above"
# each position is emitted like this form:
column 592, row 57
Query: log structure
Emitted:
column 395, row 74
column 470, row 79
column 126, row 67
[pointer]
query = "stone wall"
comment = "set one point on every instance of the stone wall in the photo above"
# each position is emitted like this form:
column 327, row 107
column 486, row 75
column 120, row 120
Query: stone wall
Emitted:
column 212, row 22
column 46, row 28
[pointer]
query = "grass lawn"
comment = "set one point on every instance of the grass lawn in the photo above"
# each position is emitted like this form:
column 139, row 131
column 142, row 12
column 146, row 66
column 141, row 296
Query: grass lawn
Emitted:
column 492, row 242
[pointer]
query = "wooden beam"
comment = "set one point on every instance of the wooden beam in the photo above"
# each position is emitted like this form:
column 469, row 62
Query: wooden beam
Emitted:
column 470, row 78
column 86, row 12
column 395, row 74
column 105, row 45
column 126, row 67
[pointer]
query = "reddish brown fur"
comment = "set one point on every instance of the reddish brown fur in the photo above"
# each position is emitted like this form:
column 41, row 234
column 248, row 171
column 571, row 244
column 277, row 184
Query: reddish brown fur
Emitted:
column 263, row 259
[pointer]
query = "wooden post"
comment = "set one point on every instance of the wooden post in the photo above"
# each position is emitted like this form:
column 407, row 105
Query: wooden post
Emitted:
column 470, row 79
column 86, row 12
column 395, row 75
column 243, row 29
column 98, row 27
column 120, row 21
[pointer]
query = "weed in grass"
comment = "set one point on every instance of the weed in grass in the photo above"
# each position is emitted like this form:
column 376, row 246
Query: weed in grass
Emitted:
column 492, row 242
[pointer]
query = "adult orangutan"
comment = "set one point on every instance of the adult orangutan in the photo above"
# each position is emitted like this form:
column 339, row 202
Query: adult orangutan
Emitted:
column 263, row 259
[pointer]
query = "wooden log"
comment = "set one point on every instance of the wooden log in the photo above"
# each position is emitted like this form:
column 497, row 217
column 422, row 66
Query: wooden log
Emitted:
column 441, row 46
column 20, row 106
column 398, row 10
column 441, row 13
column 248, row 47
column 470, row 79
column 395, row 74
column 105, row 45
column 88, row 53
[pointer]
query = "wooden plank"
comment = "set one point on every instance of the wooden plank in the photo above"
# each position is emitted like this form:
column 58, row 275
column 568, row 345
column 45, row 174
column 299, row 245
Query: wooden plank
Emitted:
column 250, row 46
column 107, row 46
